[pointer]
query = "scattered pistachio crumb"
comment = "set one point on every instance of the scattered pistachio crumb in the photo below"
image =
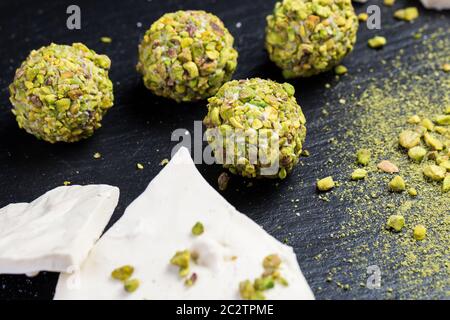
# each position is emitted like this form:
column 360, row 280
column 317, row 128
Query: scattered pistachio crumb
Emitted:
column 409, row 139
column 427, row 124
column 389, row 3
column 419, row 232
column 340, row 69
column 189, row 282
column 106, row 39
column 140, row 166
column 434, row 172
column 363, row 17
column 325, row 184
column 446, row 67
column 97, row 155
column 377, row 42
column 396, row 222
column 446, row 184
column 359, row 174
column 198, row 229
column 223, row 180
column 397, row 184
column 182, row 259
column 131, row 285
column 415, row 119
column 417, row 153
column 407, row 14
column 363, row 156
column 164, row 162
column 443, row 119
column 412, row 192
column 67, row 183
column 122, row 273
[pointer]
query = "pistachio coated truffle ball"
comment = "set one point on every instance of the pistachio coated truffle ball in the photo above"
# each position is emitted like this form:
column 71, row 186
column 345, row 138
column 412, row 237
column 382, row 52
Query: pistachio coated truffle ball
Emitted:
column 307, row 37
column 256, row 128
column 187, row 56
column 62, row 92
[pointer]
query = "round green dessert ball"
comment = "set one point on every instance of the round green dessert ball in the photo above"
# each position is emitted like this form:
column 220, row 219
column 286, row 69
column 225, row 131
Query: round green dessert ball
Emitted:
column 187, row 56
column 255, row 128
column 60, row 93
column 307, row 37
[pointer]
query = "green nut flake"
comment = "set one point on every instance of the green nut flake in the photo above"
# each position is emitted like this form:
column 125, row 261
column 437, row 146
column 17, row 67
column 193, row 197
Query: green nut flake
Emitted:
column 187, row 56
column 123, row 273
column 182, row 260
column 198, row 229
column 427, row 124
column 340, row 70
column 359, row 174
column 407, row 14
column 412, row 192
column 417, row 153
column 131, row 285
column 325, row 184
column 397, row 184
column 264, row 283
column 433, row 142
column 272, row 262
column 256, row 128
column 443, row 119
column 396, row 222
column 60, row 93
column 415, row 119
column 363, row 156
column 307, row 37
column 248, row 291
column 434, row 172
column 419, row 232
column 446, row 184
column 409, row 139
column 377, row 42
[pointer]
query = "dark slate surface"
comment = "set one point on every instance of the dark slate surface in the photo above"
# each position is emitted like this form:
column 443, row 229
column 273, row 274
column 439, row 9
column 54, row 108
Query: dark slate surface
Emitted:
column 138, row 128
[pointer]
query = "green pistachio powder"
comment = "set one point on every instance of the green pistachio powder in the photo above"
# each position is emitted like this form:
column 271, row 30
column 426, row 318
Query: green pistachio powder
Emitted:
column 187, row 56
column 61, row 93
column 376, row 114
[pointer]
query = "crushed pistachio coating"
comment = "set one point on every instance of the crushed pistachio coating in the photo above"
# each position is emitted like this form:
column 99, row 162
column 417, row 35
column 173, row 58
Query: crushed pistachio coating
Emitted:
column 397, row 184
column 187, row 56
column 307, row 37
column 363, row 156
column 396, row 222
column 256, row 128
column 198, row 229
column 359, row 174
column 60, row 93
column 325, row 184
column 123, row 273
column 131, row 285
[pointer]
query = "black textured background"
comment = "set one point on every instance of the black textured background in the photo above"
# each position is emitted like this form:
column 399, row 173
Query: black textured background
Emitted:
column 138, row 128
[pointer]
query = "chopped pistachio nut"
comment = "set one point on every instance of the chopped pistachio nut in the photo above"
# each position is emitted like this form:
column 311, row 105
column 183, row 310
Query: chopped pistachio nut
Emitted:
column 60, row 93
column 407, row 14
column 434, row 172
column 223, row 180
column 248, row 291
column 106, row 39
column 272, row 262
column 363, row 156
column 139, row 166
column 387, row 167
column 97, row 155
column 189, row 282
column 447, row 110
column 265, row 116
column 433, row 142
column 198, row 229
column 363, row 17
column 264, row 283
column 445, row 164
column 340, row 70
column 67, row 183
column 131, row 285
column 187, row 55
column 427, row 124
column 389, row 3
column 446, row 67
column 305, row 153
column 446, row 184
column 305, row 38
column 443, row 119
column 182, row 259
column 419, row 232
column 417, row 153
column 415, row 119
column 325, row 184
column 412, row 192
column 123, row 273
column 359, row 174
column 409, row 139
column 164, row 162
column 396, row 222
column 397, row 184
column 377, row 42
